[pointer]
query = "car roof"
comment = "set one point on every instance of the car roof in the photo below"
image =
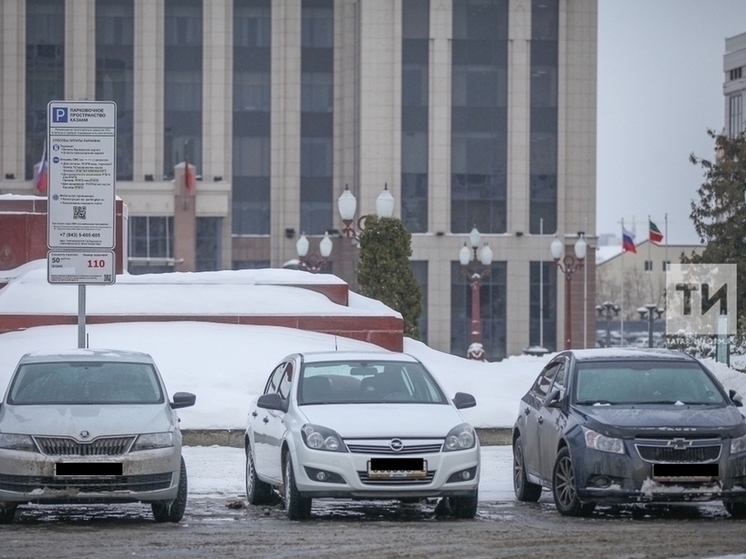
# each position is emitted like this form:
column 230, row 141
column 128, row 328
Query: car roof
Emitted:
column 629, row 352
column 324, row 356
column 86, row 354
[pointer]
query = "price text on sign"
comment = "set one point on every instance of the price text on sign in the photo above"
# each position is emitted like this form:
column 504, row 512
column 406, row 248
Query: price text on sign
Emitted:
column 81, row 152
column 80, row 267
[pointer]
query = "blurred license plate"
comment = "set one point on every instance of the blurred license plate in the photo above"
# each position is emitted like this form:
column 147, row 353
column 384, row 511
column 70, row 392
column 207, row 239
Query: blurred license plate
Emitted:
column 685, row 472
column 397, row 468
column 88, row 469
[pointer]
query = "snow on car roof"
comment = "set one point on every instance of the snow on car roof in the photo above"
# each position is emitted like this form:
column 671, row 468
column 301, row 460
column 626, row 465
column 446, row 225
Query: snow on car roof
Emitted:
column 86, row 354
column 629, row 353
column 319, row 356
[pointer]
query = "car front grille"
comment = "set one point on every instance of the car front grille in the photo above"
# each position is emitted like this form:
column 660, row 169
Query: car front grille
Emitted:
column 66, row 446
column 409, row 446
column 367, row 480
column 27, row 484
column 675, row 451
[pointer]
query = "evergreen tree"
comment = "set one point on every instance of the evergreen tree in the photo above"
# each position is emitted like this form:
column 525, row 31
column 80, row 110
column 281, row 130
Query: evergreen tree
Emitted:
column 719, row 215
column 383, row 271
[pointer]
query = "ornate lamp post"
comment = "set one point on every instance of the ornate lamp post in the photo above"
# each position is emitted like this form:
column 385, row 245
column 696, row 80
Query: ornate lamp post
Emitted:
column 650, row 312
column 568, row 266
column 607, row 310
column 314, row 263
column 347, row 204
column 475, row 268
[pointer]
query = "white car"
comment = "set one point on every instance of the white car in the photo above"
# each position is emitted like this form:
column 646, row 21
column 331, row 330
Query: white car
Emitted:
column 91, row 426
column 362, row 426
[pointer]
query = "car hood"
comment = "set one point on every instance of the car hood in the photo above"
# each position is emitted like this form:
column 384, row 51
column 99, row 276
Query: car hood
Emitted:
column 385, row 420
column 668, row 420
column 99, row 421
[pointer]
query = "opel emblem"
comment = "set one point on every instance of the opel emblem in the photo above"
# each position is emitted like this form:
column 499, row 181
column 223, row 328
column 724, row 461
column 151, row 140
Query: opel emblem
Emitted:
column 85, row 434
column 396, row 445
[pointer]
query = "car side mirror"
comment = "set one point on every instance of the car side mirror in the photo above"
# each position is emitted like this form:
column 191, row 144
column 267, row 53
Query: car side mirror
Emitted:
column 553, row 399
column 462, row 400
column 736, row 398
column 183, row 400
column 272, row 401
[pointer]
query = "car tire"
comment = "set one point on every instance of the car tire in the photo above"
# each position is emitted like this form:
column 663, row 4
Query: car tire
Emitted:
column 735, row 509
column 466, row 506
column 563, row 488
column 164, row 511
column 524, row 490
column 297, row 507
column 257, row 491
column 7, row 513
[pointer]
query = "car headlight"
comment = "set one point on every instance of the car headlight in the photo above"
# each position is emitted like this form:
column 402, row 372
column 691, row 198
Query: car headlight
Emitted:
column 460, row 437
column 321, row 438
column 738, row 445
column 17, row 442
column 150, row 441
column 597, row 441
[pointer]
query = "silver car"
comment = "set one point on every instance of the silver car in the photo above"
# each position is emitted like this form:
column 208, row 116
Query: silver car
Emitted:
column 359, row 425
column 91, row 426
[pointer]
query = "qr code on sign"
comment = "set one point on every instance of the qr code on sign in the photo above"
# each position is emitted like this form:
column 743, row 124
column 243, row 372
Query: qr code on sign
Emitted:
column 79, row 212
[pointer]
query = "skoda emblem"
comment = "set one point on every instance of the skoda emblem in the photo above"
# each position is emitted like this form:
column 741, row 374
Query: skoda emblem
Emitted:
column 396, row 445
column 85, row 434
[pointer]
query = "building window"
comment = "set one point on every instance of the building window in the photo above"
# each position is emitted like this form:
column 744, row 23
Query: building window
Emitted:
column 479, row 128
column 419, row 268
column 250, row 264
column 543, row 115
column 182, row 88
column 666, row 265
column 115, row 54
column 735, row 115
column 493, row 311
column 648, row 265
column 317, row 119
column 736, row 74
column 151, row 244
column 414, row 114
column 45, row 72
column 208, row 243
column 543, row 280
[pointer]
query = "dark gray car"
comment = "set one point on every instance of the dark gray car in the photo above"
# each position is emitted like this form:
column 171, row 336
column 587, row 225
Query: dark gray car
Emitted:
column 613, row 426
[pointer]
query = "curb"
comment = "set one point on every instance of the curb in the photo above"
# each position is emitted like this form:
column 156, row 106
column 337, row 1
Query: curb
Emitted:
column 234, row 437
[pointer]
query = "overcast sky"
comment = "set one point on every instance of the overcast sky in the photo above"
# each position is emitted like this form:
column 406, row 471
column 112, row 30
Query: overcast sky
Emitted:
column 660, row 87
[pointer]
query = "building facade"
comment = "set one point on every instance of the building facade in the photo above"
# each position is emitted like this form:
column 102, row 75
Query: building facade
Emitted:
column 472, row 113
column 734, row 84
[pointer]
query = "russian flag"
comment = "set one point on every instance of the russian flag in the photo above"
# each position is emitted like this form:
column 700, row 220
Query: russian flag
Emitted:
column 628, row 241
column 41, row 180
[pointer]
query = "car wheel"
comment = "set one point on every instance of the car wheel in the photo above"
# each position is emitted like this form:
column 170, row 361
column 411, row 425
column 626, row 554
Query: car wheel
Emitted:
column 735, row 509
column 164, row 511
column 297, row 507
column 524, row 490
column 563, row 488
column 7, row 513
column 257, row 491
column 465, row 507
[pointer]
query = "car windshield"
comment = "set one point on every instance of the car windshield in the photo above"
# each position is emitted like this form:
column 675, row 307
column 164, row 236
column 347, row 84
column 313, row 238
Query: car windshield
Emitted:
column 85, row 383
column 644, row 382
column 355, row 382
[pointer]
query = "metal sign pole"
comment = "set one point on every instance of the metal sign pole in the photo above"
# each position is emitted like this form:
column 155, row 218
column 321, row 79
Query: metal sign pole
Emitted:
column 81, row 316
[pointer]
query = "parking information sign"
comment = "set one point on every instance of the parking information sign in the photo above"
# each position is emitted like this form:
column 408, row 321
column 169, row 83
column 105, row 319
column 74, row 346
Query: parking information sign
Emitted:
column 81, row 147
column 80, row 267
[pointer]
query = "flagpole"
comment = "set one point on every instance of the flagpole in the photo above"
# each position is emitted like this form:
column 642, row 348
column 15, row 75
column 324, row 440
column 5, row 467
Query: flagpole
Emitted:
column 650, row 259
column 621, row 322
column 541, row 285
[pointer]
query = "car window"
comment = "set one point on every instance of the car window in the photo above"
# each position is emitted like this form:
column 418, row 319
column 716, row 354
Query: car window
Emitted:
column 644, row 382
column 284, row 388
column 544, row 381
column 559, row 380
column 357, row 382
column 85, row 383
column 274, row 379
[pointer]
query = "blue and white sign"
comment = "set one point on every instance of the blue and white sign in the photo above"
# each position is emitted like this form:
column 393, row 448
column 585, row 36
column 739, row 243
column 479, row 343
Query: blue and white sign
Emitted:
column 82, row 172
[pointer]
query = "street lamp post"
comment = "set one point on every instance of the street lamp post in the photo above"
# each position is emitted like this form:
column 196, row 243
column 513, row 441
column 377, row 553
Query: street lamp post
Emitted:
column 568, row 266
column 347, row 204
column 475, row 268
column 649, row 312
column 607, row 310
column 314, row 263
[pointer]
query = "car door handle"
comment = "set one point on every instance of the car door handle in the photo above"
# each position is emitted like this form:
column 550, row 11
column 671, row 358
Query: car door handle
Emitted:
column 254, row 414
column 266, row 420
column 540, row 420
column 527, row 410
